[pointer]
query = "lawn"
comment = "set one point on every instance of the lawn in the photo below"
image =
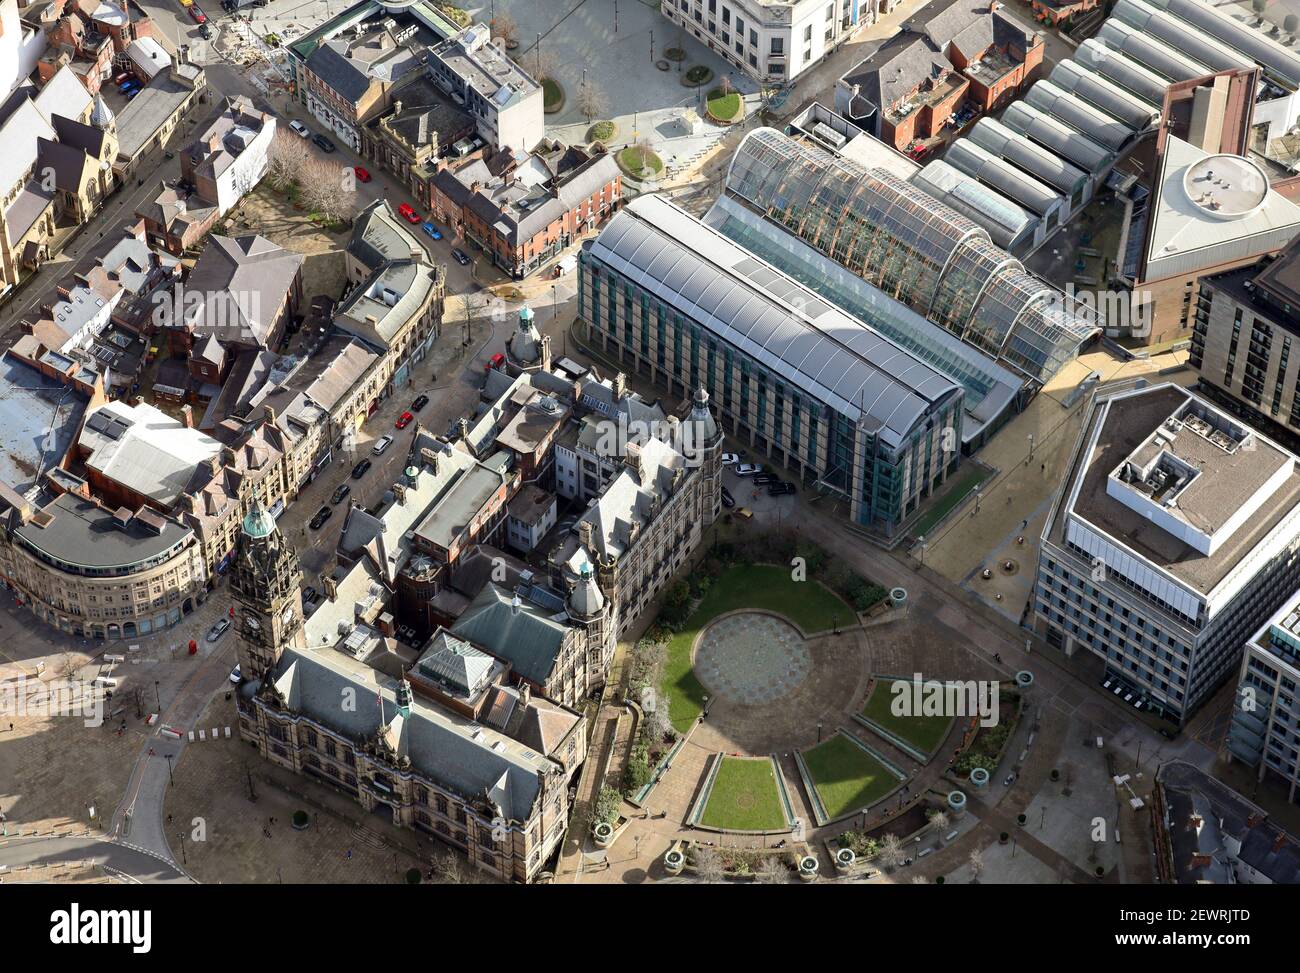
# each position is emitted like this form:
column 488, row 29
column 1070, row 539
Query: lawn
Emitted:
column 744, row 797
column 635, row 160
column 723, row 106
column 923, row 732
column 811, row 606
column 966, row 482
column 847, row 778
column 552, row 95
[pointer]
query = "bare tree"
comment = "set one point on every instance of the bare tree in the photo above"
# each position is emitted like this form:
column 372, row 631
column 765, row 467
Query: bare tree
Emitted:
column 891, row 852
column 658, row 725
column 450, row 869
column 940, row 821
column 725, row 85
column 329, row 189
column 286, row 156
column 542, row 64
column 591, row 102
column 920, row 880
column 708, row 865
column 504, row 29
column 771, row 871
column 976, row 862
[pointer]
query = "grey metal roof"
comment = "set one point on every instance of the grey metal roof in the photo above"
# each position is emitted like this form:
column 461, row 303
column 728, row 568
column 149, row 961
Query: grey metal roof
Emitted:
column 39, row 416
column 1124, row 71
column 1179, row 35
column 1079, row 115
column 456, row 663
column 1105, row 95
column 1150, row 52
column 979, row 163
column 770, row 317
column 1046, row 166
column 1044, row 130
column 80, row 535
column 1279, row 61
column 1006, row 221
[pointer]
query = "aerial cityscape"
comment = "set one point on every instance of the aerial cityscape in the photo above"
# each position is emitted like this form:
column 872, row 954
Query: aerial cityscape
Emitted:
column 606, row 442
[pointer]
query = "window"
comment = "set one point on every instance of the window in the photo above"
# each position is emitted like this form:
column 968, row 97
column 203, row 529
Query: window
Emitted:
column 778, row 47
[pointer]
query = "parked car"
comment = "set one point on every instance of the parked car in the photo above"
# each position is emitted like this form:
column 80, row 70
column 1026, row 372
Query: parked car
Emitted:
column 362, row 174
column 747, row 469
column 122, row 78
column 198, row 15
column 744, row 512
column 383, row 444
column 1010, row 779
column 458, row 255
column 219, row 629
column 433, row 231
column 128, row 85
column 310, row 594
column 301, row 130
column 205, row 32
column 420, row 402
column 763, row 479
column 779, row 489
column 727, row 500
column 235, row 675
column 404, row 420
column 360, row 469
column 340, row 493
column 323, row 143
column 730, row 459
column 322, row 515
column 408, row 213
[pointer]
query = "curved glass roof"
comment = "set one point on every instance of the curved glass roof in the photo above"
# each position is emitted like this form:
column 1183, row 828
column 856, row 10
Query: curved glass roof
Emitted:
column 908, row 244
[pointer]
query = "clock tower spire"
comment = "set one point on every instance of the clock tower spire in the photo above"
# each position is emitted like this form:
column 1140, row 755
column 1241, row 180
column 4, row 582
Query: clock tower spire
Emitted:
column 266, row 582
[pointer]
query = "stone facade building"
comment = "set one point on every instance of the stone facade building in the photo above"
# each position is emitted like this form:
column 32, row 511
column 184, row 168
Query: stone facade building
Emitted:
column 497, row 790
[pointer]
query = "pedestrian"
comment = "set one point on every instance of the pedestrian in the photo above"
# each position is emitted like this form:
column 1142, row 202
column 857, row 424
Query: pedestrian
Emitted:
column 349, row 854
column 1024, row 524
column 11, row 728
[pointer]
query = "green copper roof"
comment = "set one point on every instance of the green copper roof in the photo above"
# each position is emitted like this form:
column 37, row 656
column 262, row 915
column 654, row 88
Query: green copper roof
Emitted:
column 259, row 523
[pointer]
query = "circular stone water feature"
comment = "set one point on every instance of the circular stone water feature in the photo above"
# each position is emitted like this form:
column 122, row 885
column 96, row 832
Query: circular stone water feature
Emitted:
column 751, row 658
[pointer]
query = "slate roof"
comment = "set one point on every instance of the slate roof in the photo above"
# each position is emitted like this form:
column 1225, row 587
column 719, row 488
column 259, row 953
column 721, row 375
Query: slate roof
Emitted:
column 467, row 758
column 244, row 281
column 527, row 636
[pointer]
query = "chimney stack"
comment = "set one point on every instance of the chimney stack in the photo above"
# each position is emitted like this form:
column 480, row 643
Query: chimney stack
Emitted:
column 187, row 415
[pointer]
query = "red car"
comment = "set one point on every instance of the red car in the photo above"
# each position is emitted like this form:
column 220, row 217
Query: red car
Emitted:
column 408, row 213
column 496, row 361
column 404, row 420
column 123, row 78
column 198, row 15
column 362, row 174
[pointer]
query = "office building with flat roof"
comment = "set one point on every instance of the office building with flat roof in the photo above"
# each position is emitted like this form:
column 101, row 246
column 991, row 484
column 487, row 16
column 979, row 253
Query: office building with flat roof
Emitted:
column 805, row 383
column 1173, row 537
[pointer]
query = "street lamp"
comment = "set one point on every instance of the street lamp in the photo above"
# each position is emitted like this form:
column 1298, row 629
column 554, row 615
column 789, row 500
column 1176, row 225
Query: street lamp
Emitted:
column 1031, row 449
column 819, row 733
column 184, row 858
column 158, row 696
column 921, row 540
column 171, row 781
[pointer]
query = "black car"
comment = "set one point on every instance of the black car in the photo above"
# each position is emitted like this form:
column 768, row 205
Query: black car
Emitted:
column 325, row 144
column 340, row 493
column 762, row 479
column 322, row 515
column 458, row 255
column 309, row 594
column 359, row 470
column 779, row 489
column 727, row 499
column 420, row 402
column 205, row 31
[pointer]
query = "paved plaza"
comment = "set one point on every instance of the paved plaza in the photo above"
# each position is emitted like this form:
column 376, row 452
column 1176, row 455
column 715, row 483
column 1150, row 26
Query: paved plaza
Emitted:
column 614, row 44
column 751, row 658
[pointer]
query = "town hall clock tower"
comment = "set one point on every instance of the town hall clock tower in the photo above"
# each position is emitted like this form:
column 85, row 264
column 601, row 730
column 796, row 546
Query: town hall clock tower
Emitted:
column 266, row 583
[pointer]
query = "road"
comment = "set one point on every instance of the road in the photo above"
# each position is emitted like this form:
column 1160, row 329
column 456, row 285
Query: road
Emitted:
column 118, row 856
